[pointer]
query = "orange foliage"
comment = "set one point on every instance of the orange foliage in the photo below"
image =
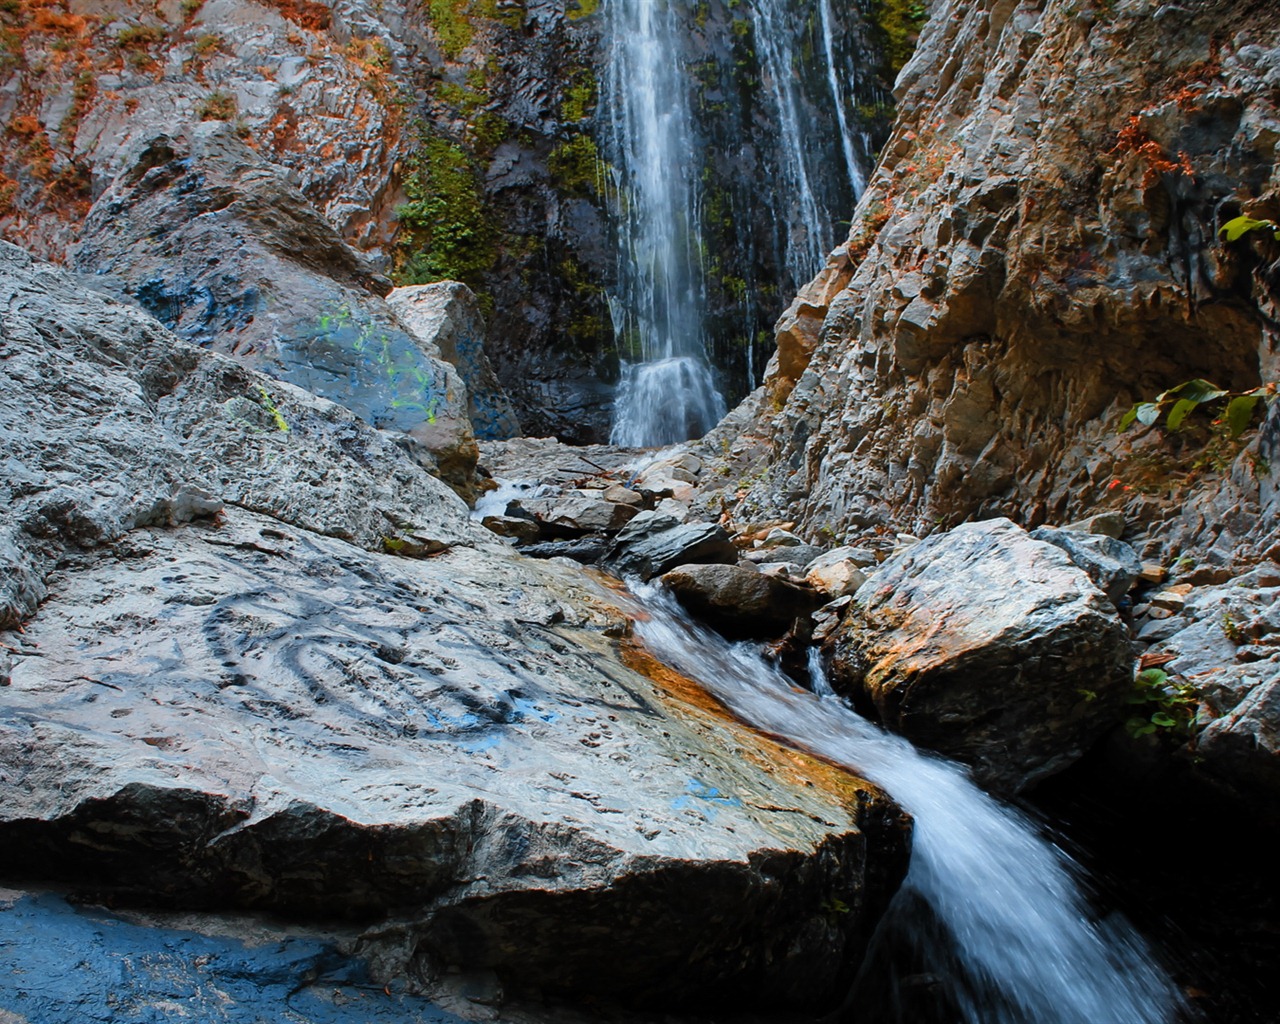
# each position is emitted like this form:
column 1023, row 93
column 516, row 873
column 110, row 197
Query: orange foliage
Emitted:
column 303, row 12
column 1133, row 138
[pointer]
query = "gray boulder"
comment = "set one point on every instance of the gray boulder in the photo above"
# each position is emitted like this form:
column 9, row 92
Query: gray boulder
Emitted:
column 656, row 542
column 225, row 252
column 239, row 694
column 445, row 317
column 741, row 602
column 1112, row 564
column 990, row 647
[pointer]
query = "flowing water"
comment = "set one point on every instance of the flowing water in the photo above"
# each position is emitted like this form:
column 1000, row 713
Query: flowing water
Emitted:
column 990, row 908
column 667, row 392
column 735, row 153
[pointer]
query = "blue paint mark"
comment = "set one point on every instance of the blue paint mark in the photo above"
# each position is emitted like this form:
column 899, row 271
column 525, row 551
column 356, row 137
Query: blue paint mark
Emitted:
column 696, row 789
column 524, row 706
column 60, row 963
column 479, row 744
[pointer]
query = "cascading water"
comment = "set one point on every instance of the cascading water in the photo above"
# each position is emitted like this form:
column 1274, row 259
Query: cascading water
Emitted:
column 732, row 134
column 1008, row 932
column 668, row 394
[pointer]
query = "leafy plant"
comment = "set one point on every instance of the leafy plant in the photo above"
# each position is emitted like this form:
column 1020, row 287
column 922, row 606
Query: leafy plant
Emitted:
column 1238, row 227
column 1164, row 704
column 1182, row 400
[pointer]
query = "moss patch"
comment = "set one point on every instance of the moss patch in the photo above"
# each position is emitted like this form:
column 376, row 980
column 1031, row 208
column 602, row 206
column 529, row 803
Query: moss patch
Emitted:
column 901, row 22
column 575, row 166
column 449, row 236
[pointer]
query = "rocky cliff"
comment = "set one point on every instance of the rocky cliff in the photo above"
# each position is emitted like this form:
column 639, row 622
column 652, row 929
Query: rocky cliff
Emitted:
column 1038, row 250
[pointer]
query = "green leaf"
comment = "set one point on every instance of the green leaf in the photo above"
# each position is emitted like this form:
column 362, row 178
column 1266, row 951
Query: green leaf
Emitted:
column 1197, row 390
column 1163, row 720
column 1238, row 227
column 1240, row 412
column 1128, row 417
column 1148, row 413
column 1179, row 412
column 1153, row 676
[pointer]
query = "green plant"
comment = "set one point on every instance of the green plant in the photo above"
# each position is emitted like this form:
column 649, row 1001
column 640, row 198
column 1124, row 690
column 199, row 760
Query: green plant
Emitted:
column 1238, row 227
column 1164, row 705
column 1190, row 395
column 449, row 232
column 1231, row 629
column 207, row 45
column 139, row 36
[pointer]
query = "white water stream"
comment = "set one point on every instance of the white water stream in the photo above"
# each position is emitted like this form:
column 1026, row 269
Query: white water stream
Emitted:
column 1012, row 936
column 667, row 393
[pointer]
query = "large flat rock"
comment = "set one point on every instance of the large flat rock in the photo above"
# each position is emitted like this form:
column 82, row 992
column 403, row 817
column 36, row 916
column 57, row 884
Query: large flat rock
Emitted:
column 231, row 689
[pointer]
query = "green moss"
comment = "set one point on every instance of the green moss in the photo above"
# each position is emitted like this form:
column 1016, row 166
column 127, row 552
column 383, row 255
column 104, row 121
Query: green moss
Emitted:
column 488, row 129
column 579, row 98
column 900, row 21
column 575, row 166
column 460, row 97
column 451, row 20
column 218, row 106
column 585, row 9
column 449, row 235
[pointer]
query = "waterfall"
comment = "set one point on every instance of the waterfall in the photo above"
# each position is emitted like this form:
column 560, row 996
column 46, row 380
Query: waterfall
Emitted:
column 1006, row 931
column 731, row 135
column 667, row 392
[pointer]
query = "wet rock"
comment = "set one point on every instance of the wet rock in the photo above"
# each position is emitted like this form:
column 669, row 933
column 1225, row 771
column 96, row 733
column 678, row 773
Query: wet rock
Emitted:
column 198, row 967
column 654, row 543
column 740, row 602
column 582, row 512
column 990, row 647
column 226, row 253
column 445, row 317
column 517, row 527
column 1110, row 563
column 588, row 550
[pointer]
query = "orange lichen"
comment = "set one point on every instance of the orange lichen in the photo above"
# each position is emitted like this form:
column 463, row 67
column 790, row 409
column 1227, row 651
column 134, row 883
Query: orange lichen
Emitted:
column 304, row 13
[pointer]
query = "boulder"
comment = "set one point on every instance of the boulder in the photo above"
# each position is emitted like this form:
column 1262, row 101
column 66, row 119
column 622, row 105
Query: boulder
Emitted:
column 446, row 319
column 1112, row 564
column 839, row 572
column 583, row 512
column 741, row 602
column 239, row 695
column 656, row 542
column 987, row 646
column 108, row 422
column 224, row 251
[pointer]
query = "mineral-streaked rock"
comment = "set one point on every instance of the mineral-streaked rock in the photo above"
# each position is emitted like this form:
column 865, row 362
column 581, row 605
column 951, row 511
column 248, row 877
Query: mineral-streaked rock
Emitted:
column 990, row 647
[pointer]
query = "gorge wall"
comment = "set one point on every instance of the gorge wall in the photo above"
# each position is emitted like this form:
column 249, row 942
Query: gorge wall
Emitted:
column 1036, row 251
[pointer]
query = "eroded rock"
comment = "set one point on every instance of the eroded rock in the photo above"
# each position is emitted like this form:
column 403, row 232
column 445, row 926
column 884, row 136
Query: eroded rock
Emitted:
column 990, row 647
column 656, row 542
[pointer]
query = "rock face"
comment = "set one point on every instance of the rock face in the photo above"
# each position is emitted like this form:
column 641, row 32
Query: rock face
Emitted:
column 236, row 692
column 226, row 253
column 1036, row 251
column 655, row 542
column 989, row 647
column 738, row 601
column 446, row 319
column 1111, row 564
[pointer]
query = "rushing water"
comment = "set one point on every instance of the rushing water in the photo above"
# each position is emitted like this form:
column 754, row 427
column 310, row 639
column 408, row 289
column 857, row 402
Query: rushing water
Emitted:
column 735, row 152
column 667, row 394
column 992, row 910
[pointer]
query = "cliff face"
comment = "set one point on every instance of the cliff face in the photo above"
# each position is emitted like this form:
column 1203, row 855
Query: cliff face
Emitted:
column 1037, row 251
